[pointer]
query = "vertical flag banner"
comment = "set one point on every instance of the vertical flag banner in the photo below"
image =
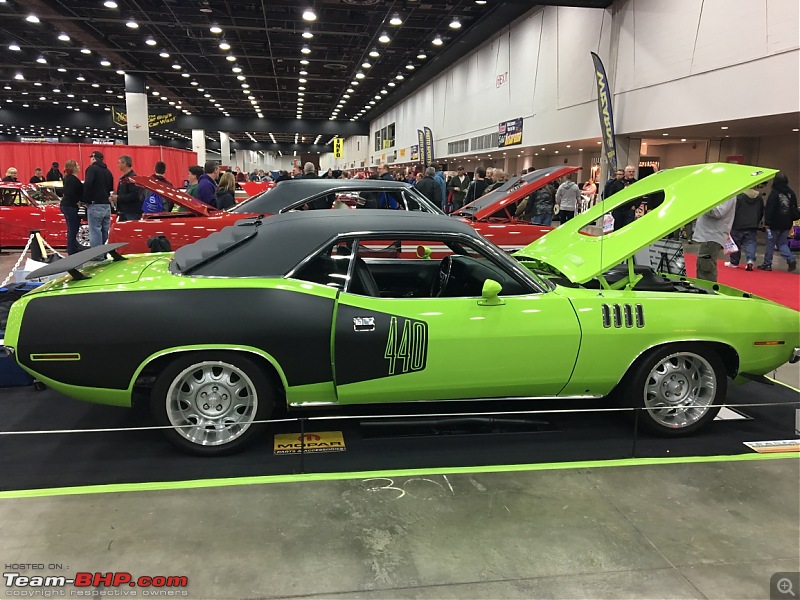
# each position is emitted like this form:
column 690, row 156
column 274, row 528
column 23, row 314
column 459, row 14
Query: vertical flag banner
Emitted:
column 338, row 148
column 606, row 115
column 428, row 146
column 421, row 142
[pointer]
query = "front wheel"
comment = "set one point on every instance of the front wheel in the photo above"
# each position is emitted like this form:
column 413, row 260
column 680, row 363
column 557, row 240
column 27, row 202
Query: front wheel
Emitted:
column 82, row 237
column 210, row 401
column 678, row 388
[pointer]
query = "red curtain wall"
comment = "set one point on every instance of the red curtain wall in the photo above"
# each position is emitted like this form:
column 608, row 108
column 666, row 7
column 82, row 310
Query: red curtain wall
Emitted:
column 27, row 156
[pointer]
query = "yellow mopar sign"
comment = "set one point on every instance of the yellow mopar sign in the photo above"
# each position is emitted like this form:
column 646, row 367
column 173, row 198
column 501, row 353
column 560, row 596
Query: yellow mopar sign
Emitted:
column 320, row 441
column 338, row 148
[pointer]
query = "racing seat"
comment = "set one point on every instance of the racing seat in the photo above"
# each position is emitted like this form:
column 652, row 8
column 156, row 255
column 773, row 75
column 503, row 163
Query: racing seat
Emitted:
column 363, row 282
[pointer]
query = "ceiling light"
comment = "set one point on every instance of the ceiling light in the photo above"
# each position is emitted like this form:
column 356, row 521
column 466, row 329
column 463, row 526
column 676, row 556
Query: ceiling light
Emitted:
column 391, row 84
column 32, row 19
column 437, row 41
column 399, row 77
column 176, row 66
column 105, row 63
column 245, row 85
column 372, row 102
column 185, row 74
column 19, row 76
column 150, row 41
column 481, row 2
column 384, row 39
column 63, row 37
column 110, row 4
column 132, row 24
column 724, row 127
column 223, row 45
column 422, row 56
column 307, row 34
column 41, row 60
column 164, row 54
column 360, row 75
column 120, row 72
column 230, row 58
column 374, row 53
column 301, row 80
column 85, row 51
column 13, row 46
column 301, row 88
column 683, row 139
column 239, row 77
column 410, row 67
column 455, row 23
column 305, row 50
column 395, row 20
column 215, row 28
column 304, row 62
column 81, row 78
column 384, row 91
column 236, row 69
column 309, row 15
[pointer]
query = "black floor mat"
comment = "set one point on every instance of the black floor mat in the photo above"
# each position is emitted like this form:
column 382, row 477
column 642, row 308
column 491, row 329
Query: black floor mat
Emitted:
column 75, row 459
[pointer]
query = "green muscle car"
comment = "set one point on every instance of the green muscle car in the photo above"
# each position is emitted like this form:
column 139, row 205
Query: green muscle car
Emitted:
column 348, row 307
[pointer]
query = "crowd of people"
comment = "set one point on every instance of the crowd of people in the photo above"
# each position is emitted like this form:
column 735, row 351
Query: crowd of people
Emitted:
column 731, row 227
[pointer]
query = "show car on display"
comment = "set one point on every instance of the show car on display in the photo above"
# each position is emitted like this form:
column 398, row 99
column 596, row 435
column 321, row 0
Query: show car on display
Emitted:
column 333, row 308
column 26, row 207
column 489, row 217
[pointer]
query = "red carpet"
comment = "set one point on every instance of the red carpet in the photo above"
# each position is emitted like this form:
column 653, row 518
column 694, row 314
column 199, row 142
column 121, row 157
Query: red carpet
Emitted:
column 778, row 285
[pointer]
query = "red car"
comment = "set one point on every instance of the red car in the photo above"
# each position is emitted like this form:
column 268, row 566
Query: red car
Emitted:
column 491, row 215
column 25, row 207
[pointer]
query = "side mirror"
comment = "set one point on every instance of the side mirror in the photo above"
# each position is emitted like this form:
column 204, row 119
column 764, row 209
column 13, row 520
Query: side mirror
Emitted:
column 490, row 294
column 423, row 252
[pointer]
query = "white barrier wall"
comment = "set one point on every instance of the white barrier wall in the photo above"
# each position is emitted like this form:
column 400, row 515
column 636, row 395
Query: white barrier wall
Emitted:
column 671, row 64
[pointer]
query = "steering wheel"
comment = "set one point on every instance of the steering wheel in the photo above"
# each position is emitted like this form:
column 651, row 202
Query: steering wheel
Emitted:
column 442, row 277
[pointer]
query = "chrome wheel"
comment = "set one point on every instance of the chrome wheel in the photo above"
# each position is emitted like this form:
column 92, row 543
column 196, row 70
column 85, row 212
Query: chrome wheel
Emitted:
column 211, row 403
column 82, row 236
column 680, row 389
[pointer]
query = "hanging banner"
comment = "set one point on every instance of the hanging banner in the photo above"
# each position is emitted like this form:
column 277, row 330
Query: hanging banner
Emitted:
column 606, row 115
column 414, row 152
column 428, row 146
column 510, row 133
column 338, row 148
column 38, row 140
column 421, row 142
column 120, row 117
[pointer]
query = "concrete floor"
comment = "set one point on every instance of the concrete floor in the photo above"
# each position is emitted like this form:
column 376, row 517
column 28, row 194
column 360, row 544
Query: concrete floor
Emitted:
column 694, row 530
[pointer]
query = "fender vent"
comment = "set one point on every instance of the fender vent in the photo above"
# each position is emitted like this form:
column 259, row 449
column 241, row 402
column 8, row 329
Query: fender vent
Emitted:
column 618, row 315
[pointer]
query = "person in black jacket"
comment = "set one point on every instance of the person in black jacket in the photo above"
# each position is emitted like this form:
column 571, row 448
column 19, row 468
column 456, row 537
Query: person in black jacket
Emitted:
column 97, row 185
column 54, row 174
column 128, row 197
column 37, row 176
column 73, row 195
column 780, row 213
column 430, row 188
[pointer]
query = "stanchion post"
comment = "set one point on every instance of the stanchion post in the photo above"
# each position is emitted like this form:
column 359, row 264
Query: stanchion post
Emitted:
column 303, row 445
column 38, row 252
column 635, row 431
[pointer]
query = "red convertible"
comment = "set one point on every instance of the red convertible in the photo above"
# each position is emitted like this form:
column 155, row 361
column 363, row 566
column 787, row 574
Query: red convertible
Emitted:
column 27, row 206
column 491, row 215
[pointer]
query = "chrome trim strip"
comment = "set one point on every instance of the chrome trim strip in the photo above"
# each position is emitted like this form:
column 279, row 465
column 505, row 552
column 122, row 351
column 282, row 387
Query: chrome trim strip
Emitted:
column 499, row 398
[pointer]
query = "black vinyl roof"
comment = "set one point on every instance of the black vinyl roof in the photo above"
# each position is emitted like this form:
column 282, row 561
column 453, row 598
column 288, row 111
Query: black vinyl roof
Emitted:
column 272, row 247
column 291, row 191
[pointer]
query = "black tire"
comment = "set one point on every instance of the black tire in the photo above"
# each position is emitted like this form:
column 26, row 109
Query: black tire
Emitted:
column 678, row 387
column 210, row 399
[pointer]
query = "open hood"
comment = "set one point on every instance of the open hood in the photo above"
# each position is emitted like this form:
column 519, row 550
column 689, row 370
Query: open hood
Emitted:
column 674, row 196
column 193, row 205
column 511, row 191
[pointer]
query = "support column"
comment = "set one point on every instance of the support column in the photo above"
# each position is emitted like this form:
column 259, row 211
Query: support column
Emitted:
column 199, row 145
column 136, row 109
column 224, row 148
column 628, row 152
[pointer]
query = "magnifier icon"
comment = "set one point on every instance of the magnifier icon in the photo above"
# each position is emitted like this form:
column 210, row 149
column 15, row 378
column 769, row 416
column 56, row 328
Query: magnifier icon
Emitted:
column 784, row 586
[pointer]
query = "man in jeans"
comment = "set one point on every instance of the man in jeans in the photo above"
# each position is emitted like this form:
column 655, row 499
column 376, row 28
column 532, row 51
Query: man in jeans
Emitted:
column 98, row 184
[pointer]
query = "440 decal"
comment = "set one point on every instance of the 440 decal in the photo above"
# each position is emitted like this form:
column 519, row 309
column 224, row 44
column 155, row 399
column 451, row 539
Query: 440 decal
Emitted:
column 406, row 346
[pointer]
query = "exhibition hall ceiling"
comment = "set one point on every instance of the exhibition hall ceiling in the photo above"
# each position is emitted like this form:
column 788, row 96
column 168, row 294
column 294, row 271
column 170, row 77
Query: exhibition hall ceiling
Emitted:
column 290, row 59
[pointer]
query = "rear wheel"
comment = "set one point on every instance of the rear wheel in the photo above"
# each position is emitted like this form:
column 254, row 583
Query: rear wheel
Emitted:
column 679, row 389
column 211, row 401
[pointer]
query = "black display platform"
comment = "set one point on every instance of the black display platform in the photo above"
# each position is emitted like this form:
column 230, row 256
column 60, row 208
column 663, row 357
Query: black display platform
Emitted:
column 42, row 460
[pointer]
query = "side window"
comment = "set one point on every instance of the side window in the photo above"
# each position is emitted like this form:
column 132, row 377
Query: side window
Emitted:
column 413, row 203
column 11, row 198
column 329, row 267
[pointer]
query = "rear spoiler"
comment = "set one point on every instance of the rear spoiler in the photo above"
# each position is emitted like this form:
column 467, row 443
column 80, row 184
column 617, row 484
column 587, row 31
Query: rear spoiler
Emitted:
column 71, row 263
